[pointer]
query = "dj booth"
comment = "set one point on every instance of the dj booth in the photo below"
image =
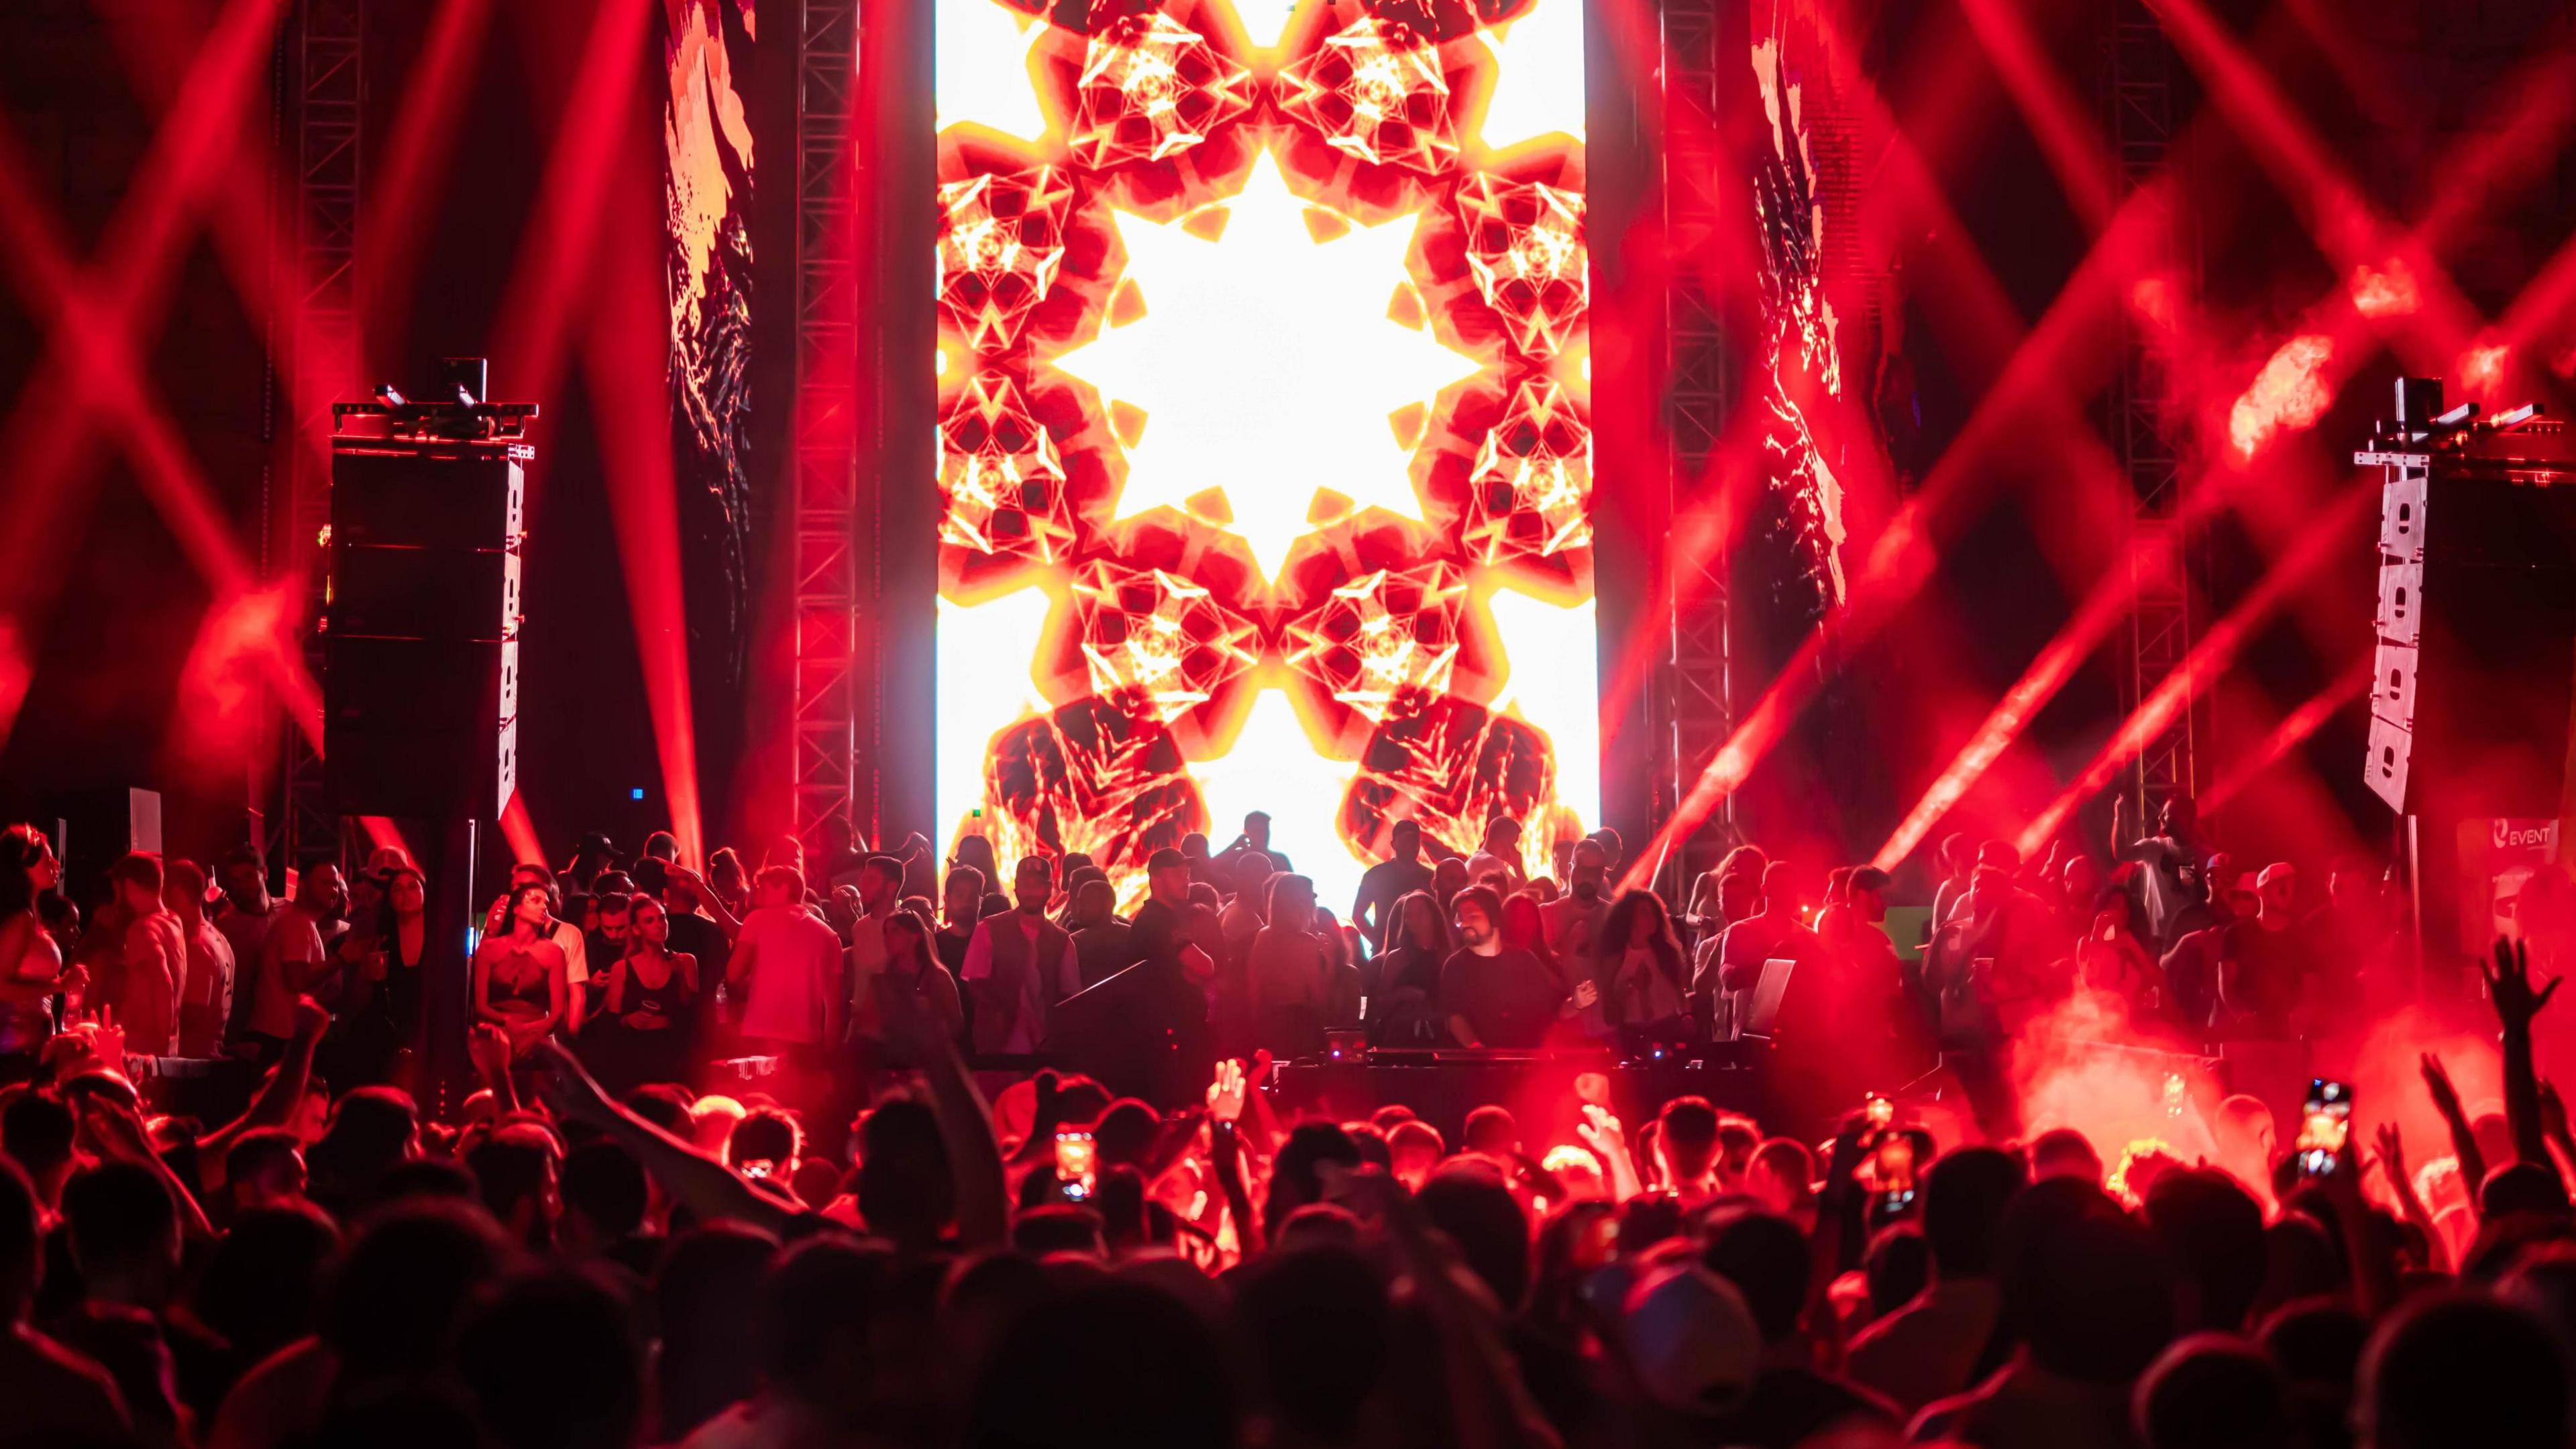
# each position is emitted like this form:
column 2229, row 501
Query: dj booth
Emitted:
column 1441, row 1086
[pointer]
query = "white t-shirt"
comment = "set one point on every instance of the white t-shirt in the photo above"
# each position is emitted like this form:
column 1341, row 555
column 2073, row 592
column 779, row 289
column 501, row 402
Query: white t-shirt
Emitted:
column 792, row 975
column 576, row 949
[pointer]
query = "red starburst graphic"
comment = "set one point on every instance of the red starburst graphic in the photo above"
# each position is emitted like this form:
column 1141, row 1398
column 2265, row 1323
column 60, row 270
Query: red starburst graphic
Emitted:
column 1452, row 766
column 1383, row 644
column 1001, row 484
column 1375, row 91
column 1150, row 89
column 1525, row 249
column 1531, row 491
column 1091, row 777
column 1001, row 241
column 1161, row 643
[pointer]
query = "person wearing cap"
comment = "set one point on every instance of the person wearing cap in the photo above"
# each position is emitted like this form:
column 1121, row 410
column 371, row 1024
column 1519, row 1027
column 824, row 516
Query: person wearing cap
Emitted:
column 2266, row 987
column 2200, row 962
column 1155, row 934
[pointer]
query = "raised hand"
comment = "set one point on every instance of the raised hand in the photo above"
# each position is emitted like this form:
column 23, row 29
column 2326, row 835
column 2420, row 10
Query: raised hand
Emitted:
column 1601, row 1132
column 2509, row 985
column 2392, row 1156
column 2437, row 1080
column 311, row 1019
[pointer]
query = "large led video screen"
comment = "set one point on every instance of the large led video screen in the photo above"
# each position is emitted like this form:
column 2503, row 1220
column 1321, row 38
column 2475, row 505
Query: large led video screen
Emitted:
column 1265, row 466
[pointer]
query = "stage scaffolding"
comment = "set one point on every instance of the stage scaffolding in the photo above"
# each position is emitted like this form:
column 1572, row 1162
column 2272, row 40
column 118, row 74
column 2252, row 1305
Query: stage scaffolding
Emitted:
column 827, row 565
column 321, row 60
column 1693, row 707
column 2138, row 94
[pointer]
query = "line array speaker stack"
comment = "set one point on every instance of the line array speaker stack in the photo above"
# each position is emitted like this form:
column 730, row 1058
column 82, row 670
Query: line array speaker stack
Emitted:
column 2475, row 665
column 421, row 631
column 423, row 612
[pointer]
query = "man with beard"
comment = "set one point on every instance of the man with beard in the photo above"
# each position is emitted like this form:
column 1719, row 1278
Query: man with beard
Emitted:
column 1495, row 995
column 1571, row 919
column 292, row 960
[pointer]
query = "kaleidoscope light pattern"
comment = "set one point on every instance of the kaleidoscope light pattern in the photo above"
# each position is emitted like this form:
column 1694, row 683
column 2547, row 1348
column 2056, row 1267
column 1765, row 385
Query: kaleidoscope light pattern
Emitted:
column 1265, row 450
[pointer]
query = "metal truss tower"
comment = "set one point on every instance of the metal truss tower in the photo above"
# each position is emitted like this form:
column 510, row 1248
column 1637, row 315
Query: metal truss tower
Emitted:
column 1694, row 710
column 827, row 615
column 2139, row 93
column 321, row 353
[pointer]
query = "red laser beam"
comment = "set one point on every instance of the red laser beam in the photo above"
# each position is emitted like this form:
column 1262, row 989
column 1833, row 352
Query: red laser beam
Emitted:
column 169, row 476
column 416, row 157
column 2032, row 371
column 2080, row 156
column 2340, row 218
column 2211, row 655
column 91, row 317
column 521, row 832
column 623, row 354
column 2292, row 732
column 546, row 280
column 2083, row 632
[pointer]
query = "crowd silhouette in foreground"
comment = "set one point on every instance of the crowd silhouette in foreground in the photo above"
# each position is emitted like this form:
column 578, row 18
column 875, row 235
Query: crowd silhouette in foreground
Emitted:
column 630, row 1234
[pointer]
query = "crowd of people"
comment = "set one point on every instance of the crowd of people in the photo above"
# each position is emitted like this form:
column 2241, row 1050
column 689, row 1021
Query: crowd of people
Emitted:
column 653, row 967
column 629, row 1233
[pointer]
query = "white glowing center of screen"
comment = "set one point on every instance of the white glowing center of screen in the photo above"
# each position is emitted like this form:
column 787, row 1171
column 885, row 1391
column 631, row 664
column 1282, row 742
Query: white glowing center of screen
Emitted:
column 1274, row 767
column 1267, row 366
column 980, row 68
column 1538, row 84
column 1552, row 663
column 985, row 686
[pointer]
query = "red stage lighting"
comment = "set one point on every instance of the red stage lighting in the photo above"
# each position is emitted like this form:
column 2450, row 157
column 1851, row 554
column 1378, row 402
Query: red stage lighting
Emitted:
column 546, row 286
column 2292, row 732
column 415, row 164
column 2211, row 655
column 521, row 832
column 631, row 397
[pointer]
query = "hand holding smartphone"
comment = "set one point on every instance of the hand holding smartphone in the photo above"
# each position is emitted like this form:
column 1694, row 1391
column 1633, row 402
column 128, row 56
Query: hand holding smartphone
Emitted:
column 2324, row 1126
column 1076, row 1164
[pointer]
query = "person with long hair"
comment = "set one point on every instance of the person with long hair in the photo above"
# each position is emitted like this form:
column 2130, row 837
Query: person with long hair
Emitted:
column 520, row 982
column 31, row 965
column 1706, row 906
column 1638, row 964
column 728, row 883
column 653, row 994
column 1525, row 927
column 912, row 968
column 1403, row 981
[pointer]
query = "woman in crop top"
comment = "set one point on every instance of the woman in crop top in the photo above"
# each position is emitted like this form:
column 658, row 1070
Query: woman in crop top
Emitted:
column 31, row 965
column 653, row 993
column 519, row 975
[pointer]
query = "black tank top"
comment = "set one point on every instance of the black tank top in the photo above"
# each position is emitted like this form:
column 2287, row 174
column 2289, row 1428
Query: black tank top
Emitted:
column 667, row 1000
